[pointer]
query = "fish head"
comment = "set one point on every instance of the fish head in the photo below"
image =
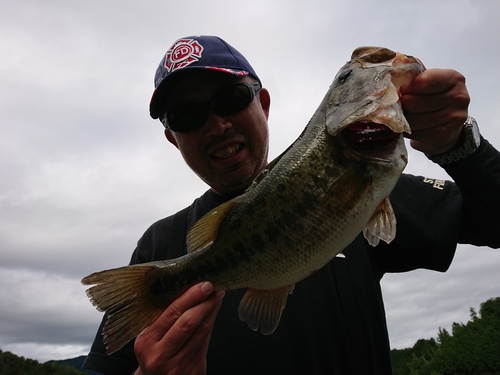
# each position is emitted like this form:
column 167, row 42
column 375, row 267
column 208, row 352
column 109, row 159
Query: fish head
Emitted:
column 362, row 105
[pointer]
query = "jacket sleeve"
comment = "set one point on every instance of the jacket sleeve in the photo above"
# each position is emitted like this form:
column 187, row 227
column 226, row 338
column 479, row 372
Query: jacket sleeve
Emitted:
column 478, row 178
column 428, row 223
column 433, row 216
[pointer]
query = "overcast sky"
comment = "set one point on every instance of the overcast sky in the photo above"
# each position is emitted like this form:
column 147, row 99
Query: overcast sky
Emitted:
column 84, row 170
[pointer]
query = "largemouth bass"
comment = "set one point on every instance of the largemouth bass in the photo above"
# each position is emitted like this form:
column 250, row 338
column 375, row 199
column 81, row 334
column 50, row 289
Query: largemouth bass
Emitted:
column 308, row 204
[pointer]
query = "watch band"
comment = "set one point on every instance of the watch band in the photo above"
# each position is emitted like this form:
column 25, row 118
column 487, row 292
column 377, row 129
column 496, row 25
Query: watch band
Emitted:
column 471, row 142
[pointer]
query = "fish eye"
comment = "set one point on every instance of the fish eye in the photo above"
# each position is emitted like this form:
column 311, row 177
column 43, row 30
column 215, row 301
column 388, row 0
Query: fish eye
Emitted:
column 344, row 75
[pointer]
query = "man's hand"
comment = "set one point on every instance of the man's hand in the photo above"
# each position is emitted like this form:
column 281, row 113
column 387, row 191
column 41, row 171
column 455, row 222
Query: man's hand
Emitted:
column 435, row 104
column 177, row 342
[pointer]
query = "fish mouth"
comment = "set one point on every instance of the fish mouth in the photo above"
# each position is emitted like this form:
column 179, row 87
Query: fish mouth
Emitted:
column 370, row 139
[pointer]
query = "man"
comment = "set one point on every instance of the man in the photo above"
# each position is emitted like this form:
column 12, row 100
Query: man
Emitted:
column 215, row 112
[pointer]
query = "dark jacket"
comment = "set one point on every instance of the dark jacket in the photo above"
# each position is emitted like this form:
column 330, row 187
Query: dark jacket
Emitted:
column 334, row 322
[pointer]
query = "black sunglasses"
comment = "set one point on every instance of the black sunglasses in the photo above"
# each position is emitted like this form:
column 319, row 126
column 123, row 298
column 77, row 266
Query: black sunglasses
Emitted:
column 231, row 100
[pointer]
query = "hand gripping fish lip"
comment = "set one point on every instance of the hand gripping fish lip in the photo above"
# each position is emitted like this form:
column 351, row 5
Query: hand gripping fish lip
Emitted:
column 364, row 106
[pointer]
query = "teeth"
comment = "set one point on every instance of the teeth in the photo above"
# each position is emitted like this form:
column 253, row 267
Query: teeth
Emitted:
column 227, row 152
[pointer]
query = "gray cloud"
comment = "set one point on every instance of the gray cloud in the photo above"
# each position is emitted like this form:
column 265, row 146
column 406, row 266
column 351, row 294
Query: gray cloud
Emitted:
column 84, row 170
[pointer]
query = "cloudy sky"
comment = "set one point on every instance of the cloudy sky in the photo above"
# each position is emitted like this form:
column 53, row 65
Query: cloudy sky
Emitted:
column 84, row 170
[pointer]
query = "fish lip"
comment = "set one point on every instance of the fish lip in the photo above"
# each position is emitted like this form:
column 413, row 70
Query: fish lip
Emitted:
column 370, row 140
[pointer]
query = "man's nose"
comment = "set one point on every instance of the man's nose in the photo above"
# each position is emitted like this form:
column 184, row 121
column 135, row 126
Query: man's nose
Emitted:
column 216, row 124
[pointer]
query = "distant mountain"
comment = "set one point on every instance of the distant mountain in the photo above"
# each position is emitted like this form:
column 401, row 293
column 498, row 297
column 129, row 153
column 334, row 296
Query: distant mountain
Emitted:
column 77, row 363
column 11, row 364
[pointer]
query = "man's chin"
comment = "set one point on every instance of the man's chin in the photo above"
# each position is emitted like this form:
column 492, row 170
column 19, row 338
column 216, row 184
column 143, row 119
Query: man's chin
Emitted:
column 235, row 175
column 230, row 183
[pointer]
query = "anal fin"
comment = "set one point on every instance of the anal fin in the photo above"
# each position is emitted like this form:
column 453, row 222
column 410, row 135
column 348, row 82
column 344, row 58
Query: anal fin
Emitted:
column 382, row 225
column 262, row 309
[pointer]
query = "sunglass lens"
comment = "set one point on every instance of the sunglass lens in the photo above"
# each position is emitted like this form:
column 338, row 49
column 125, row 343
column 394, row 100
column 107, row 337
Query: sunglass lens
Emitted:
column 232, row 100
column 187, row 118
column 192, row 116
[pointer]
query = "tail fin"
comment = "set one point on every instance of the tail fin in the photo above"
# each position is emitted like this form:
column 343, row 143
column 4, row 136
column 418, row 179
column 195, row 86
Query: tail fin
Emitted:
column 124, row 293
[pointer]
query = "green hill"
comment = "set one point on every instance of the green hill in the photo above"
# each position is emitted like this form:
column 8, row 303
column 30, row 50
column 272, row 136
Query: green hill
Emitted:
column 11, row 364
column 77, row 363
column 470, row 349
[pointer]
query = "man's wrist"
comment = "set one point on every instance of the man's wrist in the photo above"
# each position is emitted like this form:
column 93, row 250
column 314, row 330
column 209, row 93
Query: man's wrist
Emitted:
column 470, row 143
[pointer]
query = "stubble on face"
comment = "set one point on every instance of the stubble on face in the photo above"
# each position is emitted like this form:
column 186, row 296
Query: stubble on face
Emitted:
column 228, row 160
column 239, row 177
column 248, row 137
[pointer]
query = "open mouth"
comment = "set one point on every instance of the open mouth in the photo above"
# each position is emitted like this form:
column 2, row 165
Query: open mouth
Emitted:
column 227, row 152
column 370, row 139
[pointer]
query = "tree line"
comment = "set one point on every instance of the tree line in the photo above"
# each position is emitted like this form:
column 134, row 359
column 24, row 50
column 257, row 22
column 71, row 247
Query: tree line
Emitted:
column 469, row 349
column 11, row 364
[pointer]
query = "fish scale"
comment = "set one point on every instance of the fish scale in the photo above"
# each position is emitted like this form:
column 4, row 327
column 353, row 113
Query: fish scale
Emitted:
column 298, row 214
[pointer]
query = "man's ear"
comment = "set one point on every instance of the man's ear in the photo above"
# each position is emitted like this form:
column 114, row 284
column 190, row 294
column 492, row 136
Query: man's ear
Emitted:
column 265, row 101
column 171, row 138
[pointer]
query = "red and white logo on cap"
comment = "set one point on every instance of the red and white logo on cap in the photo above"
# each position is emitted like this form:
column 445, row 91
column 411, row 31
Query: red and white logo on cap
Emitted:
column 183, row 53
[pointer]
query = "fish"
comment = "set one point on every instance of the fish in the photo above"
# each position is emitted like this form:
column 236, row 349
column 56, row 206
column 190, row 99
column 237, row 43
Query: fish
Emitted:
column 332, row 183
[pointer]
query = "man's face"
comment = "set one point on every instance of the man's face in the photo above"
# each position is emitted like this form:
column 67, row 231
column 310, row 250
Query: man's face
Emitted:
column 228, row 151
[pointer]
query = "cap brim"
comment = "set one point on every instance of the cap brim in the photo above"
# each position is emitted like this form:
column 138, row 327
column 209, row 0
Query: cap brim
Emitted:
column 161, row 91
column 159, row 94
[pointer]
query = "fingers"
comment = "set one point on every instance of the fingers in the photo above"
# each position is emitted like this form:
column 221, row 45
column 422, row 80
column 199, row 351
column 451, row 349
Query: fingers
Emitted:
column 435, row 104
column 200, row 338
column 179, row 339
column 189, row 319
column 191, row 298
column 432, row 81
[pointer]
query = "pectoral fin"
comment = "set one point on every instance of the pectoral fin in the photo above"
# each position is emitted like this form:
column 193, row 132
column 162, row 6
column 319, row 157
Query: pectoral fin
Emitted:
column 262, row 308
column 206, row 229
column 382, row 225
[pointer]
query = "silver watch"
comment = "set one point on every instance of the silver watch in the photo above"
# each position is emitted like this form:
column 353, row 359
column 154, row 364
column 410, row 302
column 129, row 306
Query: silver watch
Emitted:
column 472, row 139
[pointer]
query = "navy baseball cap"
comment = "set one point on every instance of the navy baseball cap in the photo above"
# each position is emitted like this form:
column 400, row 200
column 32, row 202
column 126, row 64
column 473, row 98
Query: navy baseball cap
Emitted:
column 196, row 52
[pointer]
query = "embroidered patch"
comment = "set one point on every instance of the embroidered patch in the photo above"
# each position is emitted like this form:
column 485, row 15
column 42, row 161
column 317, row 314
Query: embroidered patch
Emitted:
column 183, row 53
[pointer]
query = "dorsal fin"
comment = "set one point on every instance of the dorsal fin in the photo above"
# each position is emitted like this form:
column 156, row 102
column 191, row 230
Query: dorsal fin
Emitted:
column 206, row 229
